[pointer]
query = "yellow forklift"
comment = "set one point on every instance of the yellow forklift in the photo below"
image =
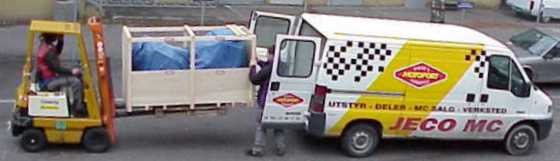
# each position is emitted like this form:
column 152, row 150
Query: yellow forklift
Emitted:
column 41, row 117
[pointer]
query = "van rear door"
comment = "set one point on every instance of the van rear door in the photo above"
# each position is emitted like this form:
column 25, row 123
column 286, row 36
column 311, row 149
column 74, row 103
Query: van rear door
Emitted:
column 267, row 25
column 292, row 82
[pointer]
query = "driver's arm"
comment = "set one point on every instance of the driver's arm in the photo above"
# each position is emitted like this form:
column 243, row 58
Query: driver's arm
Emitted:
column 51, row 61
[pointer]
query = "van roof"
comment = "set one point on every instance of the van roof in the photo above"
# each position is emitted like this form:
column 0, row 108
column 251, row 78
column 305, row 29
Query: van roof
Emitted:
column 337, row 27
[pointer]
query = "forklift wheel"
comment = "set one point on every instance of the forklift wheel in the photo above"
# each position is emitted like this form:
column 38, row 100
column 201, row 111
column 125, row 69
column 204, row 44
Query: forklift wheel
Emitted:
column 33, row 140
column 96, row 140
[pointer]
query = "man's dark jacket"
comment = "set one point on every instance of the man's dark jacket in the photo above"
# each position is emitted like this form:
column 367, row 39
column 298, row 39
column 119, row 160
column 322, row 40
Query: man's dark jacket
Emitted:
column 261, row 78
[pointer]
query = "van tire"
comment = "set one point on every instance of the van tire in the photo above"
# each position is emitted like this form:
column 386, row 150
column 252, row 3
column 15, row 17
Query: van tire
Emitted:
column 360, row 140
column 96, row 140
column 33, row 140
column 546, row 19
column 520, row 140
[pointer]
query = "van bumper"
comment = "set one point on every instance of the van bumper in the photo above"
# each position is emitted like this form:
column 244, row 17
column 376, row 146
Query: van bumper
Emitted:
column 544, row 127
column 316, row 124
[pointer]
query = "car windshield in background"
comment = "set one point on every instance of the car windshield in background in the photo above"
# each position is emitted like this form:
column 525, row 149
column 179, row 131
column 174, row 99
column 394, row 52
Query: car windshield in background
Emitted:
column 534, row 41
column 543, row 45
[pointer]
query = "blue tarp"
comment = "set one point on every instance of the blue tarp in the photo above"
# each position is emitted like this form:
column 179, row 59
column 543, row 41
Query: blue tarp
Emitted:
column 158, row 56
column 209, row 54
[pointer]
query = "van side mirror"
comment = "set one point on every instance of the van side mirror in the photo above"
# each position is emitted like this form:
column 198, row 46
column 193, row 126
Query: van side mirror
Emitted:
column 529, row 72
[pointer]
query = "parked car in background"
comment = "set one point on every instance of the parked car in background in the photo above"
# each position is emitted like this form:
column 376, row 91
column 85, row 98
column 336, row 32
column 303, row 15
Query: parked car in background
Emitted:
column 538, row 49
column 548, row 9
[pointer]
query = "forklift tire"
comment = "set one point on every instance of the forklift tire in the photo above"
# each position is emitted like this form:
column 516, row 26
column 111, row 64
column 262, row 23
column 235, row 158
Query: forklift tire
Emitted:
column 33, row 140
column 96, row 140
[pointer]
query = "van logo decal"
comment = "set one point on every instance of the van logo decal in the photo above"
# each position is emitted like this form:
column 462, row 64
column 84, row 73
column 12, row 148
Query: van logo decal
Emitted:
column 288, row 100
column 420, row 75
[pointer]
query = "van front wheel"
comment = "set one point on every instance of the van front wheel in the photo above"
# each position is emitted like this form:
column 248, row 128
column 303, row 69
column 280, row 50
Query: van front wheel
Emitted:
column 520, row 140
column 360, row 140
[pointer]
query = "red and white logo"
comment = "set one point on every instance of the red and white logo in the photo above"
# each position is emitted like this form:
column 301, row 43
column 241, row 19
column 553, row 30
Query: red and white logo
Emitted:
column 420, row 75
column 288, row 100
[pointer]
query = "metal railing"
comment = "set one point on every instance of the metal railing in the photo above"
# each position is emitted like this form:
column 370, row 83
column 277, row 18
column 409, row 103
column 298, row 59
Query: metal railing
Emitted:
column 155, row 3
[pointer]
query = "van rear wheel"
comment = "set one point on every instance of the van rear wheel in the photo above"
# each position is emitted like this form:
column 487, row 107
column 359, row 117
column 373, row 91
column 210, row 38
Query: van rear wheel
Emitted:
column 360, row 140
column 520, row 140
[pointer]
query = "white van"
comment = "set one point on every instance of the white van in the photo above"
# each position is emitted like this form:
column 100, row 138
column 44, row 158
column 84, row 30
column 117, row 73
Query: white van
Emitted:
column 548, row 8
column 363, row 79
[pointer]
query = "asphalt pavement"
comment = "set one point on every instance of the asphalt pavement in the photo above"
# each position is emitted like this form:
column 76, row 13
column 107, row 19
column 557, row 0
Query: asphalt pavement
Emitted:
column 225, row 138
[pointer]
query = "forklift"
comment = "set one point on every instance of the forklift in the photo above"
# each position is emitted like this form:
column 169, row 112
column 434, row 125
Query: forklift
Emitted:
column 42, row 117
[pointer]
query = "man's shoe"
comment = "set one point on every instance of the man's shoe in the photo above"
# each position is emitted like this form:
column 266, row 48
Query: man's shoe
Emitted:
column 280, row 151
column 255, row 153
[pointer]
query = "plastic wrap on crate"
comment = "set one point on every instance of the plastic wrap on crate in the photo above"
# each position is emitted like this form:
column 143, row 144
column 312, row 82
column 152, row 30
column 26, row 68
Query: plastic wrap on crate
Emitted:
column 158, row 56
column 209, row 54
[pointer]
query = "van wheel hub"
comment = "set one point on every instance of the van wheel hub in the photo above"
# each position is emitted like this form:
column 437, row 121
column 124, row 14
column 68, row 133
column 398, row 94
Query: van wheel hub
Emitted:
column 360, row 140
column 521, row 140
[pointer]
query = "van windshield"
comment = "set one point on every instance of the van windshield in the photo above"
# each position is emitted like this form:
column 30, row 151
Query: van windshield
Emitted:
column 534, row 41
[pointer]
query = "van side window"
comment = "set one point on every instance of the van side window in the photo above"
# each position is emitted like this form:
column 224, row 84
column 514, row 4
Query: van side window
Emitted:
column 308, row 30
column 517, row 81
column 296, row 58
column 503, row 74
column 498, row 73
column 267, row 28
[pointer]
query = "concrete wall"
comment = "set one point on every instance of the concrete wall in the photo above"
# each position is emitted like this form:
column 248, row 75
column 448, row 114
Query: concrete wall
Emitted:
column 357, row 2
column 25, row 9
column 241, row 1
column 487, row 3
column 384, row 2
column 480, row 3
column 21, row 10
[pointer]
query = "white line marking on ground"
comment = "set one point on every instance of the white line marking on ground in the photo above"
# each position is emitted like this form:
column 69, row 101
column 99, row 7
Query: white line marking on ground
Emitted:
column 7, row 101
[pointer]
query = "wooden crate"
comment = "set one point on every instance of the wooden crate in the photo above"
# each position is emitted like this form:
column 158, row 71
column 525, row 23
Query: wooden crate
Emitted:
column 188, row 87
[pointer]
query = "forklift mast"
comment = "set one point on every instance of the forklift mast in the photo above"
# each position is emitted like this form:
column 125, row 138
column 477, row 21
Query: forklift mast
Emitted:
column 103, row 77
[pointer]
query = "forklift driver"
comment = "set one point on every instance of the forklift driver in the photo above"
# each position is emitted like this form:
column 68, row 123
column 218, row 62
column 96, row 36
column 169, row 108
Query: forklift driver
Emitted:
column 54, row 77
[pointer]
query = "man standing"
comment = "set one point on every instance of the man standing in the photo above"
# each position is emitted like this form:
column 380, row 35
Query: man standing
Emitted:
column 54, row 77
column 261, row 77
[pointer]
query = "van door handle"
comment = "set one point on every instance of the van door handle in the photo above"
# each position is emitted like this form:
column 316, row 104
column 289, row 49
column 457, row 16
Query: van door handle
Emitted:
column 274, row 86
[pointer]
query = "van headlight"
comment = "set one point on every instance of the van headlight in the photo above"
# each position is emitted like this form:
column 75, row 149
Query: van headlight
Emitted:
column 550, row 108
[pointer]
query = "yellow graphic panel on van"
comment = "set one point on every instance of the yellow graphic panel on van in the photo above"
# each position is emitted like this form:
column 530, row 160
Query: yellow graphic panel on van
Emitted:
column 422, row 73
